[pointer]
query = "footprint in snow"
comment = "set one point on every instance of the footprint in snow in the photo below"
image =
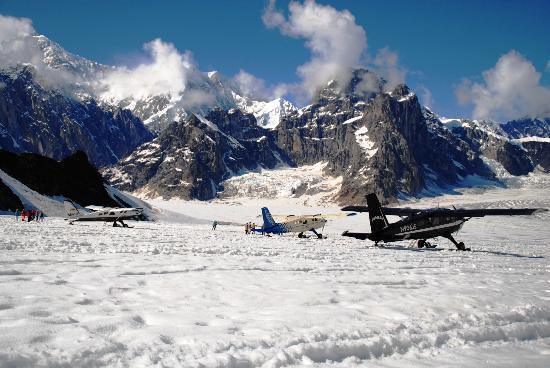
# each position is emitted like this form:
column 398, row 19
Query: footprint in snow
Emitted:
column 138, row 320
column 40, row 313
column 166, row 339
column 6, row 306
column 84, row 301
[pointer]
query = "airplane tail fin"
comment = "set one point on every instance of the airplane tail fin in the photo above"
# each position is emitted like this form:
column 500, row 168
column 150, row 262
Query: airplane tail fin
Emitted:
column 70, row 209
column 268, row 219
column 377, row 218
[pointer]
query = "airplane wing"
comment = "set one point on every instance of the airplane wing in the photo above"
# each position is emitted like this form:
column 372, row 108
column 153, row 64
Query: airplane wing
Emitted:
column 461, row 212
column 283, row 218
column 404, row 211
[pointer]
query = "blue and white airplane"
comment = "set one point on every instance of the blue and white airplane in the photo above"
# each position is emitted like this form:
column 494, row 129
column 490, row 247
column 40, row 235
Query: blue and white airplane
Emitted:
column 292, row 224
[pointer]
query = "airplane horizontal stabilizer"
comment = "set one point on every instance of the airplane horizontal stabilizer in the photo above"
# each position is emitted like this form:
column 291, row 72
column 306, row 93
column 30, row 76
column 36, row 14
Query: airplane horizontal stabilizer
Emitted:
column 361, row 236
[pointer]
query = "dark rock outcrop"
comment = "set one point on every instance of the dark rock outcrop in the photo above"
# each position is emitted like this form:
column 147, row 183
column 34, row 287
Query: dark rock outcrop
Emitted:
column 539, row 153
column 527, row 128
column 73, row 177
column 491, row 142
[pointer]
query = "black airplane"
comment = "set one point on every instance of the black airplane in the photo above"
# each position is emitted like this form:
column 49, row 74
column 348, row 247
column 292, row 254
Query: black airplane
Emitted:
column 422, row 224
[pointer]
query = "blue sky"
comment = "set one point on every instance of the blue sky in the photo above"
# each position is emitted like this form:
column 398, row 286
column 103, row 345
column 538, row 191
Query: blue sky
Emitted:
column 438, row 42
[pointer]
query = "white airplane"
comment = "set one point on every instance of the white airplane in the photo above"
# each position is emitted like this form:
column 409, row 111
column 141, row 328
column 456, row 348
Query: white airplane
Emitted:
column 293, row 224
column 98, row 213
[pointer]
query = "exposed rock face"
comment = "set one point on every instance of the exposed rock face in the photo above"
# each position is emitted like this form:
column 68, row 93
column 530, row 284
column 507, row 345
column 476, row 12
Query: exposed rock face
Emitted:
column 527, row 128
column 534, row 136
column 192, row 157
column 539, row 152
column 489, row 139
column 509, row 144
column 73, row 177
column 47, row 122
column 379, row 142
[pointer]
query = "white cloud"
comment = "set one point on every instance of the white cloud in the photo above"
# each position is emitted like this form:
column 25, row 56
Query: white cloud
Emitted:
column 251, row 86
column 19, row 45
column 165, row 74
column 386, row 64
column 510, row 90
column 257, row 89
column 16, row 44
column 335, row 41
column 195, row 98
column 426, row 97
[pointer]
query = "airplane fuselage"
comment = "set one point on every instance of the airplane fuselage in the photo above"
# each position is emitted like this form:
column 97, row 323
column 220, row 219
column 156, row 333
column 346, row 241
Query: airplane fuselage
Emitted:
column 298, row 225
column 421, row 226
column 108, row 215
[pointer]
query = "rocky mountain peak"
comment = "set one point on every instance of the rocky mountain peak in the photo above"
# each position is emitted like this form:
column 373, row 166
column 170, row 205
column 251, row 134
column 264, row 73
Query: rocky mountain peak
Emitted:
column 401, row 91
column 363, row 84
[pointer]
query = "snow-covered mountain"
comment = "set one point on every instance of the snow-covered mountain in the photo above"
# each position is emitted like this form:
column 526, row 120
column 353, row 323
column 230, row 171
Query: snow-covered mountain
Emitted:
column 377, row 141
column 192, row 158
column 519, row 146
column 268, row 114
column 367, row 141
column 208, row 130
column 200, row 92
column 52, row 122
column 62, row 102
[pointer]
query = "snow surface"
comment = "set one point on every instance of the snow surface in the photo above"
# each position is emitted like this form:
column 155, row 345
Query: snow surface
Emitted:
column 32, row 199
column 362, row 138
column 181, row 295
column 407, row 97
column 534, row 139
column 268, row 114
column 349, row 121
column 308, row 181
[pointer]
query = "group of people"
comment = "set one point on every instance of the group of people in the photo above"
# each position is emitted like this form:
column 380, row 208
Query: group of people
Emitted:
column 29, row 215
column 249, row 228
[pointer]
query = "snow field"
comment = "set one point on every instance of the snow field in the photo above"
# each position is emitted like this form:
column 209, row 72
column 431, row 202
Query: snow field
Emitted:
column 172, row 295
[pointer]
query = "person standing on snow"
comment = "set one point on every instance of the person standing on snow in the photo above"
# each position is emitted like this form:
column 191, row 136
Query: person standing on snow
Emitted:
column 214, row 224
column 16, row 214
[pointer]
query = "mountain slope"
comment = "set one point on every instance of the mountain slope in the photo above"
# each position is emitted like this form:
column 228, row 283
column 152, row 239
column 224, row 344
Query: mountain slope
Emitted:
column 370, row 140
column 192, row 157
column 379, row 142
column 48, row 122
column 63, row 102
